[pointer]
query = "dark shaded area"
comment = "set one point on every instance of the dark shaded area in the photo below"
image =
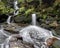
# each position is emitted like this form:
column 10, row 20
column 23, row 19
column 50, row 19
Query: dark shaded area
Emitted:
column 3, row 18
column 48, row 2
column 22, row 19
column 34, row 3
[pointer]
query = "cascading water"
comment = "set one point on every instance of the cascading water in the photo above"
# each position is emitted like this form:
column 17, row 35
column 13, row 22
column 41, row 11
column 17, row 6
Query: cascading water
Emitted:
column 3, row 37
column 2, row 45
column 16, row 8
column 33, row 19
column 3, row 32
column 15, row 4
column 8, row 20
column 36, row 35
column 5, row 44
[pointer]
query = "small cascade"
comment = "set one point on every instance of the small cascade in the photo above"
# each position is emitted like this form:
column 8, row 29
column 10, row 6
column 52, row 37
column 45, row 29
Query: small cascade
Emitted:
column 2, row 45
column 8, row 20
column 3, row 32
column 16, row 12
column 8, row 39
column 16, row 8
column 7, row 42
column 33, row 19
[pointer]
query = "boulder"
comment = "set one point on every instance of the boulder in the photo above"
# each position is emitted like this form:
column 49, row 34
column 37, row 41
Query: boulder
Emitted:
column 22, row 19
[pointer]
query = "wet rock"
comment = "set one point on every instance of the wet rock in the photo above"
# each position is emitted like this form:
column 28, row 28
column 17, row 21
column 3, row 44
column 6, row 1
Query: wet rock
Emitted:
column 22, row 19
column 19, row 19
column 20, row 44
column 54, row 24
column 58, row 30
column 12, row 28
column 57, row 44
column 45, row 26
column 22, row 24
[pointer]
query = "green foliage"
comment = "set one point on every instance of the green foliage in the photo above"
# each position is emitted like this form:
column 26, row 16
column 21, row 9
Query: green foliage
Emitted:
column 5, row 9
column 21, row 1
column 2, row 7
column 24, row 1
column 44, row 16
column 29, row 11
column 22, row 9
column 27, row 7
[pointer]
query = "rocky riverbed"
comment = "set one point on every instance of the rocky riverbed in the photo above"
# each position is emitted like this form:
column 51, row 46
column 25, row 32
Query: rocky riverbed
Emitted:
column 14, row 28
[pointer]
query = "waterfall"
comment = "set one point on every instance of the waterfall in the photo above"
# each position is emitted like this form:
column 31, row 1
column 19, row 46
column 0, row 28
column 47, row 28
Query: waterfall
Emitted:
column 8, row 20
column 16, row 8
column 33, row 19
column 15, row 5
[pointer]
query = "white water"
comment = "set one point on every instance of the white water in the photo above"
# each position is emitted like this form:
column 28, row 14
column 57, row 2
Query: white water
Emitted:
column 43, row 46
column 2, row 45
column 16, row 8
column 7, row 46
column 6, row 40
column 15, row 5
column 35, row 34
column 33, row 19
column 16, row 13
column 8, row 20
column 3, row 32
column 6, row 43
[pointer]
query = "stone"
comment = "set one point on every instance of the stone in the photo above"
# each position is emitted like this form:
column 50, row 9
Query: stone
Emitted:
column 20, row 44
column 12, row 28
